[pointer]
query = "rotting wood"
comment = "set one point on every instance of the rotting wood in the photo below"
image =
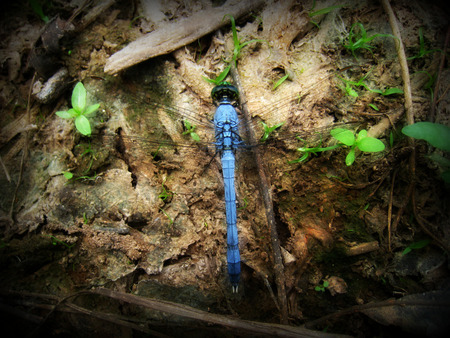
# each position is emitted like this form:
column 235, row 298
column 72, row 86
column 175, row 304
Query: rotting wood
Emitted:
column 174, row 35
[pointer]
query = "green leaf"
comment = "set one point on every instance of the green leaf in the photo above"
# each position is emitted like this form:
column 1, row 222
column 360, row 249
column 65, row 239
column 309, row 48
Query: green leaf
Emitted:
column 83, row 125
column 406, row 251
column 67, row 114
column 67, row 174
column 79, row 98
column 91, row 109
column 280, row 81
column 195, row 137
column 416, row 245
column 392, row 91
column 438, row 135
column 343, row 135
column 374, row 107
column 370, row 145
column 350, row 158
column 362, row 134
column 324, row 10
column 420, row 244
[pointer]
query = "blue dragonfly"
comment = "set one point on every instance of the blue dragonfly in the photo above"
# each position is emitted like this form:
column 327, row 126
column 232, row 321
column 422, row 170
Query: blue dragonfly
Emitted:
column 227, row 134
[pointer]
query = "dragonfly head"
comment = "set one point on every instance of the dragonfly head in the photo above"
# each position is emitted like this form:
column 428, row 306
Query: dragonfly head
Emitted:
column 224, row 93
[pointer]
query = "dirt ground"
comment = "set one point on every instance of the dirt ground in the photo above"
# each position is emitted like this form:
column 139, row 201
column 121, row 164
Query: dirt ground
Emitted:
column 139, row 225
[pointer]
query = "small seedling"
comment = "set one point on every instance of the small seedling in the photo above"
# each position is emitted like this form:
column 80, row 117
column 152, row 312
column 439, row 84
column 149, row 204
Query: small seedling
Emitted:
column 322, row 287
column 350, row 85
column 37, row 8
column 190, row 129
column 361, row 141
column 322, row 11
column 236, row 52
column 280, row 81
column 56, row 241
column 79, row 111
column 422, row 49
column 374, row 107
column 170, row 218
column 85, row 218
column 269, row 130
column 346, row 138
column 245, row 201
column 358, row 39
column 165, row 194
column 416, row 245
column 68, row 175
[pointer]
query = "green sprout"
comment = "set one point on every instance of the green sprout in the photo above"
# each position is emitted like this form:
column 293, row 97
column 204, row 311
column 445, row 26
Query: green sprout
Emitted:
column 438, row 135
column 269, row 130
column 422, row 49
column 245, row 201
column 360, row 40
column 322, row 286
column 346, row 138
column 165, row 194
column 236, row 52
column 170, row 218
column 68, row 175
column 37, row 8
column 280, row 81
column 374, row 107
column 56, row 241
column 416, row 245
column 85, row 218
column 322, row 11
column 350, row 85
column 190, row 129
column 79, row 110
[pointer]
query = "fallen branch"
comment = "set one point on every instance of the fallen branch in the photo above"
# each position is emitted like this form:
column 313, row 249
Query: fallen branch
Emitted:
column 268, row 204
column 236, row 325
column 174, row 35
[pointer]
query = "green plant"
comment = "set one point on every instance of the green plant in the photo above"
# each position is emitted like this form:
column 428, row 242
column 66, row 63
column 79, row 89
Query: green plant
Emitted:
column 438, row 135
column 322, row 287
column 358, row 39
column 416, row 245
column 430, row 83
column 165, row 194
column 373, row 106
column 245, row 201
column 56, row 241
column 350, row 85
column 322, row 11
column 68, row 175
column 280, row 81
column 79, row 110
column 190, row 129
column 170, row 218
column 236, row 52
column 346, row 138
column 36, row 6
column 269, row 130
column 422, row 49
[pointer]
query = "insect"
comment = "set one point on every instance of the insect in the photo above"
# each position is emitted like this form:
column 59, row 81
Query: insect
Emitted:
column 224, row 136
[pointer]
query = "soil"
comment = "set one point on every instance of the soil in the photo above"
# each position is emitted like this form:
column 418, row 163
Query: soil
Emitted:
column 149, row 221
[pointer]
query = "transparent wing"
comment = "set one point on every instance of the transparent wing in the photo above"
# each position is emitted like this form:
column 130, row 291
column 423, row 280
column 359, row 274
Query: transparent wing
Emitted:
column 161, row 124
